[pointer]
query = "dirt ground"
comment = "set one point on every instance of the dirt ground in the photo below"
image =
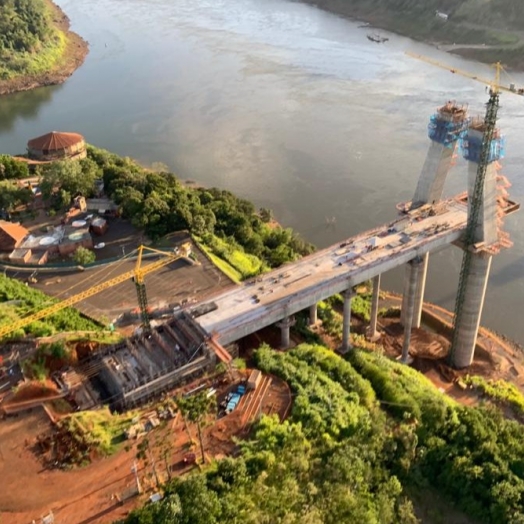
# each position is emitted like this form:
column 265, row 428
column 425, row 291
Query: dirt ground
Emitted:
column 75, row 497
column 89, row 494
column 76, row 52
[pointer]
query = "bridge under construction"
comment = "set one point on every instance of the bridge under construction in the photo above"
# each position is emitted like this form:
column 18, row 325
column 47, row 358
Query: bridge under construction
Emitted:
column 472, row 221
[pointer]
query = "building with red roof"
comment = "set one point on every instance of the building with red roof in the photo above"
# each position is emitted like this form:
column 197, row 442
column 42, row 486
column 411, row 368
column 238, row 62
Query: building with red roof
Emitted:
column 57, row 146
column 11, row 235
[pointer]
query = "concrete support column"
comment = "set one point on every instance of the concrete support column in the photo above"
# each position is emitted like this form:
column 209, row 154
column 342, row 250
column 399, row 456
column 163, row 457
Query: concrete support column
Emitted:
column 405, row 293
column 415, row 266
column 467, row 329
column 373, row 334
column 421, row 287
column 346, row 325
column 313, row 319
column 284, row 325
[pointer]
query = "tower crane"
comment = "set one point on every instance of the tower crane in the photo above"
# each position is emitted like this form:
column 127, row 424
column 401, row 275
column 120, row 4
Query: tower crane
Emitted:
column 137, row 275
column 490, row 120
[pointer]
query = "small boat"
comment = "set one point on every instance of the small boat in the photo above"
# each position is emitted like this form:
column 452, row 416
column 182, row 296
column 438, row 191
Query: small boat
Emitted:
column 375, row 37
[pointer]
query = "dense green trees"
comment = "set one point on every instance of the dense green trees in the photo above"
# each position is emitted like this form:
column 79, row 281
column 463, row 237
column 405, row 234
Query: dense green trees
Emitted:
column 24, row 24
column 12, row 195
column 11, row 168
column 160, row 204
column 360, row 431
column 65, row 179
column 29, row 42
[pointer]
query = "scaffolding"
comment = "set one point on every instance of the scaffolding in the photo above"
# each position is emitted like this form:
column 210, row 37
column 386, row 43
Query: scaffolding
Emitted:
column 448, row 125
column 471, row 143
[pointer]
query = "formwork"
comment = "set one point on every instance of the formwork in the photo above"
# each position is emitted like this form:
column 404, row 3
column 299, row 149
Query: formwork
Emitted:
column 146, row 365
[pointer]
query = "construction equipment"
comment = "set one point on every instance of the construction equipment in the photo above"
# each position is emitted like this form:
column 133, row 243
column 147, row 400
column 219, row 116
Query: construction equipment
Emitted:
column 489, row 126
column 137, row 275
column 494, row 83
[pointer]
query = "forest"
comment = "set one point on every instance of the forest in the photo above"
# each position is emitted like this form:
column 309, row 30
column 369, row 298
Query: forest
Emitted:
column 29, row 42
column 229, row 227
column 495, row 26
column 366, row 437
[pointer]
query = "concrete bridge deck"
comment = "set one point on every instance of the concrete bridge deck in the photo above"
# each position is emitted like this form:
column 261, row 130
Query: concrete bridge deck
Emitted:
column 298, row 285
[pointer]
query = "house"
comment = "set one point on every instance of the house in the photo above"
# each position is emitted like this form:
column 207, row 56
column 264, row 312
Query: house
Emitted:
column 57, row 146
column 11, row 235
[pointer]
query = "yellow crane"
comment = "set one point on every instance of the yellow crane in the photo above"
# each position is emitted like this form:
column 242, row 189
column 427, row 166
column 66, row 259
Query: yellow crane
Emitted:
column 489, row 125
column 137, row 275
column 493, row 83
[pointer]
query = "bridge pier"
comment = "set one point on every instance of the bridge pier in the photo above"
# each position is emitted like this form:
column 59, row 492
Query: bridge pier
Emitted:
column 285, row 324
column 415, row 266
column 419, row 291
column 313, row 314
column 346, row 322
column 373, row 334
column 421, row 288
column 467, row 328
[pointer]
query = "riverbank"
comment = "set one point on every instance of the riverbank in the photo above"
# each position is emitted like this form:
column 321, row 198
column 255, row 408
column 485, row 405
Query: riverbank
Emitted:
column 484, row 42
column 73, row 56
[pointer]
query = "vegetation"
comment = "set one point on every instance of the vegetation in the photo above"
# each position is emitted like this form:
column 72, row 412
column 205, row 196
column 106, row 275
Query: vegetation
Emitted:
column 63, row 180
column 24, row 300
column 497, row 23
column 194, row 408
column 84, row 256
column 12, row 196
column 12, row 169
column 29, row 42
column 84, row 434
column 227, row 226
column 362, row 435
column 500, row 392
column 47, row 357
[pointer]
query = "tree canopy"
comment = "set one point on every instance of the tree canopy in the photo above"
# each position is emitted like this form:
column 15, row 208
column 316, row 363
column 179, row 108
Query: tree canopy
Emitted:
column 362, row 435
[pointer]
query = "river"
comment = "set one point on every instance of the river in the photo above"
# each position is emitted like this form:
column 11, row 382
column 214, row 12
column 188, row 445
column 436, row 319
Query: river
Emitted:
column 282, row 103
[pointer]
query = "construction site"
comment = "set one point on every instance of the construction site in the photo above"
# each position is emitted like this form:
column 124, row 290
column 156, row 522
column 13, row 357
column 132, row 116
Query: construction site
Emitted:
column 199, row 320
column 154, row 362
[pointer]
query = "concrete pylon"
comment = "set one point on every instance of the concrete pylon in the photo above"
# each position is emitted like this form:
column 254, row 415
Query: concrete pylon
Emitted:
column 467, row 330
column 313, row 314
column 486, row 228
column 416, row 265
column 485, row 233
column 346, row 322
column 421, row 288
column 285, row 324
column 445, row 128
column 373, row 334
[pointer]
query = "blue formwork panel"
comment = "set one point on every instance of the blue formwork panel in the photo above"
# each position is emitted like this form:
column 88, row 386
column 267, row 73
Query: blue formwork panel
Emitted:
column 472, row 147
column 444, row 132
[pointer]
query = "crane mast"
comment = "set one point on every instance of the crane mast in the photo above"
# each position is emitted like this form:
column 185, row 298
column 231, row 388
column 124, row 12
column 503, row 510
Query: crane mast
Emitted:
column 470, row 272
column 490, row 121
